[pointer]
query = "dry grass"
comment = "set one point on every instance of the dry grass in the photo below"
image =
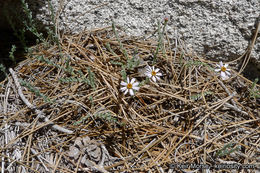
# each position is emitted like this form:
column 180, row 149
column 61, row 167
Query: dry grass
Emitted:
column 189, row 116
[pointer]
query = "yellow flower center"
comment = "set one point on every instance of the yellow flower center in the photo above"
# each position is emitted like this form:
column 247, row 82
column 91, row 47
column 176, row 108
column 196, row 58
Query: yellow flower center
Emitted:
column 129, row 86
column 223, row 69
column 153, row 73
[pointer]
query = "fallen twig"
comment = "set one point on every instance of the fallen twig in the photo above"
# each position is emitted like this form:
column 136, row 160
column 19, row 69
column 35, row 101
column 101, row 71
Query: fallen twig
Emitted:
column 31, row 106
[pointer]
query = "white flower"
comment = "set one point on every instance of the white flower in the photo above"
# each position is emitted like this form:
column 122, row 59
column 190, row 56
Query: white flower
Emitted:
column 224, row 71
column 153, row 73
column 129, row 86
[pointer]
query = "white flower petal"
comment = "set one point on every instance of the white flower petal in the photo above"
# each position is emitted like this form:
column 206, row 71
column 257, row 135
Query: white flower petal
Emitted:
column 159, row 74
column 135, row 84
column 136, row 88
column 154, row 79
column 225, row 78
column 131, row 92
column 222, row 74
column 149, row 75
column 132, row 81
column 149, row 68
column 126, row 91
column 148, row 72
column 123, row 89
column 158, row 78
column 123, row 83
column 228, row 73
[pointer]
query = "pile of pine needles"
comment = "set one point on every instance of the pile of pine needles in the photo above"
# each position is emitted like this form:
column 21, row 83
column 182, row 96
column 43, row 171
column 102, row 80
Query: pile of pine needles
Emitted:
column 62, row 109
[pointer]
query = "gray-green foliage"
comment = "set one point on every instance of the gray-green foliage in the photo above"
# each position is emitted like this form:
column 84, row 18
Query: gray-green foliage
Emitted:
column 160, row 40
column 227, row 150
column 181, row 58
column 53, row 32
column 122, row 49
column 116, row 62
column 254, row 93
column 76, row 75
column 11, row 53
column 106, row 116
column 130, row 64
column 143, row 82
column 91, row 100
column 199, row 96
column 123, row 72
column 3, row 69
column 81, row 121
column 68, row 68
column 30, row 24
column 91, row 79
column 111, row 50
column 192, row 63
column 35, row 91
